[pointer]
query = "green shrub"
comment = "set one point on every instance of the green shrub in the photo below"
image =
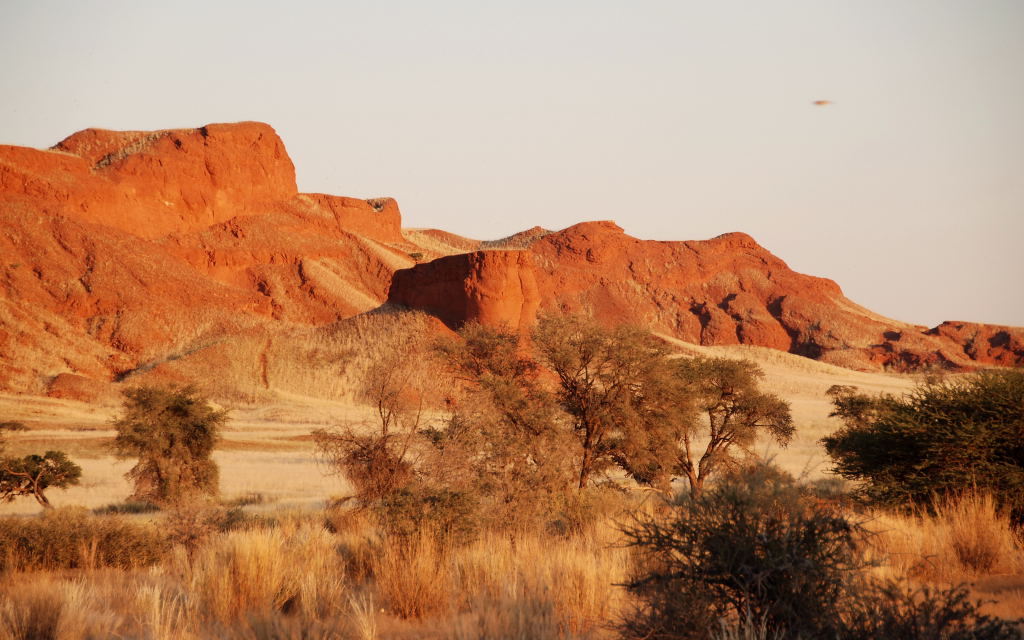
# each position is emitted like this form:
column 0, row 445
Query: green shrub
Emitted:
column 758, row 556
column 72, row 538
column 748, row 548
column 451, row 516
column 939, row 439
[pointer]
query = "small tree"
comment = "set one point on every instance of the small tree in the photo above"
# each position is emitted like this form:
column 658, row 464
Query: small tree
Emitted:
column 940, row 438
column 737, row 412
column 506, row 429
column 172, row 432
column 33, row 474
column 611, row 383
column 381, row 459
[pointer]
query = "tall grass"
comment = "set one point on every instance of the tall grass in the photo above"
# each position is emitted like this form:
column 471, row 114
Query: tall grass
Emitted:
column 294, row 569
column 340, row 577
column 570, row 583
column 413, row 579
column 42, row 607
column 963, row 538
column 567, row 585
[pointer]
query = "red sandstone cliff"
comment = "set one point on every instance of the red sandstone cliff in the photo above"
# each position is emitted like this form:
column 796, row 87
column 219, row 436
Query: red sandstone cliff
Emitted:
column 727, row 290
column 124, row 249
column 189, row 252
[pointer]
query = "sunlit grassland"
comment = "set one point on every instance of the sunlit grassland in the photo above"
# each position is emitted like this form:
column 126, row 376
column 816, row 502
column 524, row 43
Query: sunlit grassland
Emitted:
column 299, row 569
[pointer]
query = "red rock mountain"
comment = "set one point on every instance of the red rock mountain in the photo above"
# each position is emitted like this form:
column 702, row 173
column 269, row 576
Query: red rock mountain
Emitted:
column 191, row 252
column 727, row 290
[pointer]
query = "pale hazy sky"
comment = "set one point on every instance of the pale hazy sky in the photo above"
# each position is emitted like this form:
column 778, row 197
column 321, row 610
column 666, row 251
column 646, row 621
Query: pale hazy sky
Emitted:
column 679, row 119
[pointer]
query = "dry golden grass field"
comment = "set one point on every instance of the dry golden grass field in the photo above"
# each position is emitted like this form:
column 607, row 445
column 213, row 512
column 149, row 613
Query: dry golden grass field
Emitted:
column 322, row 573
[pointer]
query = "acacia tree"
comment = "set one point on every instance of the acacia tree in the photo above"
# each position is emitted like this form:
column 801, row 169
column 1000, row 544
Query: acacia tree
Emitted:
column 505, row 427
column 612, row 383
column 735, row 412
column 172, row 432
column 33, row 474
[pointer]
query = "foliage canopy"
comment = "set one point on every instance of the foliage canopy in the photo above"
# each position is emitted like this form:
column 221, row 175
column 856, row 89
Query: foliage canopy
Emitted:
column 942, row 437
column 33, row 474
column 172, row 432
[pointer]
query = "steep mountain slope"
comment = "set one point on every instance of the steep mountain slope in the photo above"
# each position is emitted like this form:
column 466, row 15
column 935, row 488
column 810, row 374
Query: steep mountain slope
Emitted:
column 123, row 250
column 190, row 255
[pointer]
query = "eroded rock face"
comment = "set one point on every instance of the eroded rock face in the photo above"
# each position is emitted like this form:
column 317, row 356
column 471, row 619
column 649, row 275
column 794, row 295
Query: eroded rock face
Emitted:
column 122, row 250
column 123, row 253
column 497, row 288
column 150, row 183
column 376, row 218
column 984, row 342
column 727, row 290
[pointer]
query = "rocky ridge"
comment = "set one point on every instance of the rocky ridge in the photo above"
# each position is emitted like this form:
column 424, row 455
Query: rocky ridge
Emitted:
column 188, row 253
column 722, row 291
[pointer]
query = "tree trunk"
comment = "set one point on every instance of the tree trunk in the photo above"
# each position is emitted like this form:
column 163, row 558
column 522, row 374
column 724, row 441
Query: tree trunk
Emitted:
column 585, row 467
column 696, row 484
column 40, row 498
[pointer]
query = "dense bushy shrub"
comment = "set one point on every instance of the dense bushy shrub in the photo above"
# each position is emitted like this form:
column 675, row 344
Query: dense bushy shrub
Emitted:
column 761, row 557
column 891, row 610
column 72, row 538
column 750, row 547
column 941, row 438
column 450, row 516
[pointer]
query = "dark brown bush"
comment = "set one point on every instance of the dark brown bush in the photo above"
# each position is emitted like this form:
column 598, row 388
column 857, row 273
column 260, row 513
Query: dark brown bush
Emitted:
column 73, row 539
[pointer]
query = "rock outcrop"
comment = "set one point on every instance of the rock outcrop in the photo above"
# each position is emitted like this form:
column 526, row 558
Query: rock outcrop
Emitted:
column 727, row 290
column 498, row 288
column 190, row 254
column 122, row 250
column 150, row 183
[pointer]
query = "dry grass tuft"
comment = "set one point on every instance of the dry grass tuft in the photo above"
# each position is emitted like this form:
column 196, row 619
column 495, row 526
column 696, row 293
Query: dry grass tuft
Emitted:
column 568, row 583
column 42, row 607
column 509, row 619
column 965, row 538
column 31, row 612
column 161, row 612
column 292, row 569
column 413, row 579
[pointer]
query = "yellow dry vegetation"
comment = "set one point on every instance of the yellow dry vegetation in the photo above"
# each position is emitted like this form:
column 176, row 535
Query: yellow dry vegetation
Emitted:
column 308, row 577
column 304, row 577
column 300, row 580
